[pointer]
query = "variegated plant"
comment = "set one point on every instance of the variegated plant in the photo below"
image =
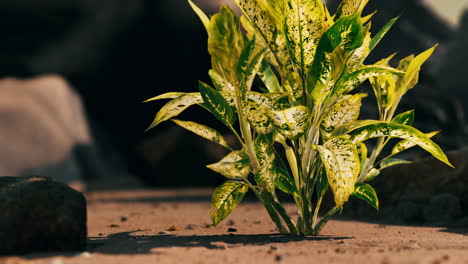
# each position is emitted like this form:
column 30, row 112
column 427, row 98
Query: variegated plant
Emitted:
column 299, row 128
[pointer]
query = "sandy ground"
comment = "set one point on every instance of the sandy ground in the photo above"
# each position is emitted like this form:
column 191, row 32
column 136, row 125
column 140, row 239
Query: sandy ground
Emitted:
column 132, row 227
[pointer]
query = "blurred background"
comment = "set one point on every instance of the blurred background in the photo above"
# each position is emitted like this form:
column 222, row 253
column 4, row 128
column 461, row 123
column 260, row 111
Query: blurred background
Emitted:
column 74, row 74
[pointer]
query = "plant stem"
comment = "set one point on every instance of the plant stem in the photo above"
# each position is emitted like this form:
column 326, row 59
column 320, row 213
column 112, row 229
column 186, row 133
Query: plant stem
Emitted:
column 272, row 208
column 269, row 208
column 317, row 209
column 245, row 129
column 318, row 228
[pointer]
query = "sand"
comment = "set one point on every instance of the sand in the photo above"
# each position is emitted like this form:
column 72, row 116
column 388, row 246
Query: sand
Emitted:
column 173, row 226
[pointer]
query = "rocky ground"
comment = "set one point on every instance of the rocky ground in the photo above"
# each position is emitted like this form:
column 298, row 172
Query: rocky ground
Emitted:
column 173, row 226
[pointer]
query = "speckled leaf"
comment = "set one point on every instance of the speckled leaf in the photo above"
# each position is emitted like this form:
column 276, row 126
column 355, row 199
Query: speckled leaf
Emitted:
column 225, row 199
column 176, row 106
column 407, row 144
column 248, row 65
column 348, row 34
column 216, row 104
column 389, row 129
column 341, row 161
column 257, row 115
column 304, row 21
column 358, row 56
column 384, row 86
column 204, row 19
column 343, row 112
column 203, row 131
column 412, row 72
column 170, row 95
column 348, row 7
column 392, row 162
column 285, row 183
column 266, row 176
column 405, row 118
column 260, row 18
column 235, row 165
column 362, row 151
column 372, row 174
column 291, row 122
column 353, row 80
column 225, row 42
column 269, row 78
column 365, row 192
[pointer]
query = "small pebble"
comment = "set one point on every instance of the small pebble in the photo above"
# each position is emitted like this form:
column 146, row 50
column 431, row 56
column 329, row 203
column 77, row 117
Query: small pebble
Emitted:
column 173, row 228
column 189, row 227
column 113, row 225
column 123, row 219
column 231, row 223
column 278, row 258
column 100, row 234
column 274, row 248
column 232, row 229
column 164, row 232
column 56, row 261
column 85, row 255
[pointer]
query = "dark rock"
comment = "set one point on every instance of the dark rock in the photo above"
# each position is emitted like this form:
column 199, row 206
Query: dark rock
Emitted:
column 38, row 214
column 442, row 209
column 451, row 72
column 426, row 191
column 410, row 211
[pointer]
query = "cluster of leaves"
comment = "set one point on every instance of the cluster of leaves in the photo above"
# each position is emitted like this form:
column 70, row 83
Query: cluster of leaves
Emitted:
column 299, row 130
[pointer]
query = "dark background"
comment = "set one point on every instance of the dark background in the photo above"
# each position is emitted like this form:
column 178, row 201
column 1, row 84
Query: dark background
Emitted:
column 117, row 53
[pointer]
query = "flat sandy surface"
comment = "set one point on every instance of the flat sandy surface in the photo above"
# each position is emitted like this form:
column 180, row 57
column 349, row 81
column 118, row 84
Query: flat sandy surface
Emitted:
column 131, row 227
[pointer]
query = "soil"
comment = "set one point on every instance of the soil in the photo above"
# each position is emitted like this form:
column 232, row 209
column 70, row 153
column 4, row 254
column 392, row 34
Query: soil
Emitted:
column 173, row 226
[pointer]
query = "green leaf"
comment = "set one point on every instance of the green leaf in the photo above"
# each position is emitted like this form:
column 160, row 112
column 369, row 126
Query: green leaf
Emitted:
column 389, row 129
column 379, row 36
column 343, row 112
column 406, row 118
column 204, row 19
column 341, row 161
column 365, row 192
column 412, row 72
column 170, row 95
column 392, row 162
column 265, row 153
column 176, row 106
column 269, row 78
column 236, row 165
column 348, row 7
column 225, row 199
column 285, row 183
column 203, row 131
column 291, row 122
column 304, row 21
column 407, row 144
column 216, row 104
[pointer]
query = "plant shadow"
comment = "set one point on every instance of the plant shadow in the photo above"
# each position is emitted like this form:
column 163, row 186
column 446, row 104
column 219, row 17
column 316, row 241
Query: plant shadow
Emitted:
column 126, row 243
